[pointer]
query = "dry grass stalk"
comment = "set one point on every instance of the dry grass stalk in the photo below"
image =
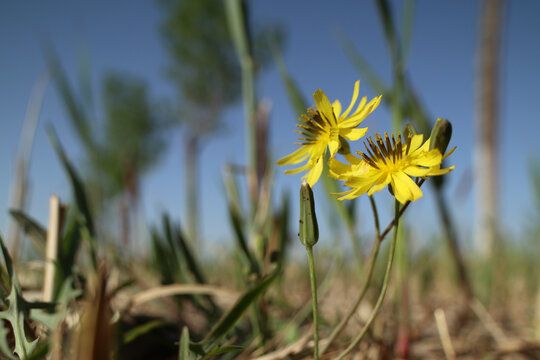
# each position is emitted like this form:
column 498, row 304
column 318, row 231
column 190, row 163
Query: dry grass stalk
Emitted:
column 183, row 289
column 444, row 334
column 95, row 336
column 51, row 249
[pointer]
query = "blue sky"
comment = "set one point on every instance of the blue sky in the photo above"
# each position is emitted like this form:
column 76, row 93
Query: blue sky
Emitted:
column 124, row 36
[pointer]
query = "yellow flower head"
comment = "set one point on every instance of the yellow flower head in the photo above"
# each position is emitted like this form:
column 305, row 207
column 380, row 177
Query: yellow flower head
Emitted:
column 322, row 127
column 390, row 162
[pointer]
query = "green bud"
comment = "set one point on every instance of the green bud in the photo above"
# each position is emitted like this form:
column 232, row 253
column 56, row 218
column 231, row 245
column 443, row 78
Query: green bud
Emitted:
column 408, row 130
column 309, row 230
column 344, row 147
column 440, row 135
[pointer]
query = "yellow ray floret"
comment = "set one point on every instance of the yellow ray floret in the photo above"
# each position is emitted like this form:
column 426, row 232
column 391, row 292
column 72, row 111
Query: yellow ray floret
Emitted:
column 389, row 162
column 321, row 128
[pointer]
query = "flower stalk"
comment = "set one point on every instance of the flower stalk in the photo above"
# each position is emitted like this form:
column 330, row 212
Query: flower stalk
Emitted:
column 371, row 266
column 383, row 289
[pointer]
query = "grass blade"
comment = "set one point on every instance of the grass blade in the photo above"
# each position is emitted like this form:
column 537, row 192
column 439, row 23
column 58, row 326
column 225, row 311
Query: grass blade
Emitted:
column 183, row 353
column 73, row 107
column 374, row 81
column 79, row 195
column 142, row 330
column 191, row 260
column 237, row 219
column 229, row 320
column 407, row 28
column 385, row 14
column 297, row 101
column 77, row 185
column 35, row 231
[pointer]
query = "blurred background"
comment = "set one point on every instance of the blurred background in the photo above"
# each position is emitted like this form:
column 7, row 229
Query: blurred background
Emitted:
column 101, row 40
column 149, row 101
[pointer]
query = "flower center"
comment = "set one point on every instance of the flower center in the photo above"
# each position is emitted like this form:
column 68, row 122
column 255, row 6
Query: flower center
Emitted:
column 385, row 153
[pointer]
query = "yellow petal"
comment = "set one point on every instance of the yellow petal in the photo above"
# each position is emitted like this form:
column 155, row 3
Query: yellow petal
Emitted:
column 416, row 142
column 315, row 173
column 363, row 177
column 449, row 153
column 296, row 157
column 360, row 114
column 336, row 105
column 352, row 159
column 353, row 134
column 297, row 170
column 405, row 189
column 324, row 106
column 416, row 171
column 354, row 97
column 425, row 147
column 339, row 170
column 382, row 181
column 354, row 193
column 429, row 159
column 343, row 171
column 439, row 171
column 333, row 146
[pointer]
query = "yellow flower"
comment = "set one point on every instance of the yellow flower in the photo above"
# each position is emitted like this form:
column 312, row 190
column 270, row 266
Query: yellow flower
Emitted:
column 389, row 162
column 322, row 128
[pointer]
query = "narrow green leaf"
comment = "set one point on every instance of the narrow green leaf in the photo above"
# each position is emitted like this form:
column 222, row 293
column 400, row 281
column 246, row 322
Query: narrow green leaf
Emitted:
column 161, row 259
column 173, row 253
column 183, row 351
column 374, row 81
column 73, row 107
column 222, row 350
column 229, row 320
column 283, row 230
column 191, row 260
column 407, row 28
column 142, row 330
column 296, row 100
column 385, row 14
column 237, row 219
column 77, row 185
column 35, row 232
column 67, row 250
column 236, row 17
column 195, row 269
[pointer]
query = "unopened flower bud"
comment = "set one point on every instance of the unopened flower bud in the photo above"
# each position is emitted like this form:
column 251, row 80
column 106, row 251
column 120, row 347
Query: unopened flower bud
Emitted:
column 440, row 135
column 408, row 131
column 309, row 230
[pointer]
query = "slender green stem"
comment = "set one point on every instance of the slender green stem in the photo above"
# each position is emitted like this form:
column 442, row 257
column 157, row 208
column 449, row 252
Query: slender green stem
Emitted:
column 393, row 222
column 352, row 311
column 383, row 290
column 371, row 266
column 376, row 218
column 309, row 250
